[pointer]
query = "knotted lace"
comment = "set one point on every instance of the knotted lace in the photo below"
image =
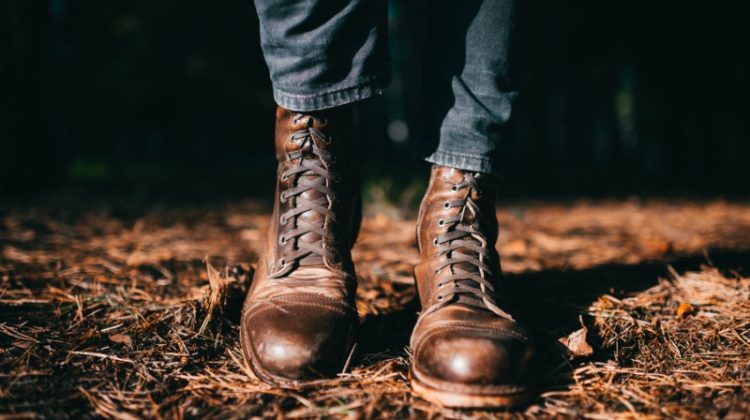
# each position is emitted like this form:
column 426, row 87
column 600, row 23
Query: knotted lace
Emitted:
column 468, row 254
column 310, row 173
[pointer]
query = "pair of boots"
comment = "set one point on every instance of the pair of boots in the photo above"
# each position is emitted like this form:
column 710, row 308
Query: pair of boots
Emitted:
column 299, row 319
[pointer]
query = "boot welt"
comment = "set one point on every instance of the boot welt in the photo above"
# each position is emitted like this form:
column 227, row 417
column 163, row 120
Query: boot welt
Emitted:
column 464, row 399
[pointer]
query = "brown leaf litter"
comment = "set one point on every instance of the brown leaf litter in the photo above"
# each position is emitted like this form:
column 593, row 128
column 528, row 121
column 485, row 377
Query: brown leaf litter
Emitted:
column 130, row 311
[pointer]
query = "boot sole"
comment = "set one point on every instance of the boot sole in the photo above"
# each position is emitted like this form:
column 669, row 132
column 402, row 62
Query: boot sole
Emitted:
column 453, row 399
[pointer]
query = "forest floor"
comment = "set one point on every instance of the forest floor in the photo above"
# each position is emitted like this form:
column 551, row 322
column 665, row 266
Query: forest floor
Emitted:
column 115, row 309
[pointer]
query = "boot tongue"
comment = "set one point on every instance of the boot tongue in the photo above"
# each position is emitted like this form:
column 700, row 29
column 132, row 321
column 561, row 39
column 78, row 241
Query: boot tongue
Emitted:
column 314, row 218
column 305, row 147
column 469, row 216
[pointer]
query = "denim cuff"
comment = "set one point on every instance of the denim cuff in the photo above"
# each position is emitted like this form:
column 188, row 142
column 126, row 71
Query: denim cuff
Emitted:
column 462, row 161
column 334, row 97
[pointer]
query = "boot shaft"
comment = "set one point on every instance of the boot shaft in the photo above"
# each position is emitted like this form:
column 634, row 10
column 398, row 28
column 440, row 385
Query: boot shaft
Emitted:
column 453, row 203
column 318, row 202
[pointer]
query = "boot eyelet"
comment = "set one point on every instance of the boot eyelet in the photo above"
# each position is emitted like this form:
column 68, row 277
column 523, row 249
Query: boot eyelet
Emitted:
column 282, row 197
column 447, row 204
column 435, row 242
column 282, row 262
column 282, row 240
column 441, row 222
column 454, row 188
column 440, row 298
column 440, row 285
column 282, row 220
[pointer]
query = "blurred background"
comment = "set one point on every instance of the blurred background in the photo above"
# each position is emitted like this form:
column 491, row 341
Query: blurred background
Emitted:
column 172, row 99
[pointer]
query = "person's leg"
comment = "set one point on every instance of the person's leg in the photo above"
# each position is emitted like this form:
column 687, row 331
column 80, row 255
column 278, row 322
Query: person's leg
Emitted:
column 299, row 317
column 324, row 53
column 472, row 52
column 468, row 348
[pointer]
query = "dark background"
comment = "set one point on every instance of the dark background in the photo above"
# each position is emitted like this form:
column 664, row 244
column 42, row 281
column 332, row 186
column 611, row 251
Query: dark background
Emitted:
column 171, row 99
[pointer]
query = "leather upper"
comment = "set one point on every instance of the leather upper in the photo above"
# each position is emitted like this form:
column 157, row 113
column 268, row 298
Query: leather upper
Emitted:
column 466, row 338
column 299, row 316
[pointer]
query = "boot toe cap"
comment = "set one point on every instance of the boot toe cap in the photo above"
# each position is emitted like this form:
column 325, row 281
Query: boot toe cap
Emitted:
column 297, row 341
column 474, row 360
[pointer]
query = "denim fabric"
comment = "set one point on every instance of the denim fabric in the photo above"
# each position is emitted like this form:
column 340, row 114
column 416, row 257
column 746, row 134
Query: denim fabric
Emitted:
column 326, row 53
column 473, row 111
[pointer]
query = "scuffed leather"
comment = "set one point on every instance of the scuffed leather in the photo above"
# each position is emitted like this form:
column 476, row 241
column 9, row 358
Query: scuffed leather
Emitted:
column 301, row 325
column 460, row 347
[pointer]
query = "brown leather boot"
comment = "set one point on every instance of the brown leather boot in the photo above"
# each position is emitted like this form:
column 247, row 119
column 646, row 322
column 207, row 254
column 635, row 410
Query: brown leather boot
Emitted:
column 468, row 350
column 299, row 318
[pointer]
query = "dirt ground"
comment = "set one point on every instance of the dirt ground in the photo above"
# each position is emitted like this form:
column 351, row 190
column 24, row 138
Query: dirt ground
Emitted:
column 115, row 309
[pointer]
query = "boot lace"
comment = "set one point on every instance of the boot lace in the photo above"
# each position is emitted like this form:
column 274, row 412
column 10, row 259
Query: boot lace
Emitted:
column 310, row 173
column 467, row 252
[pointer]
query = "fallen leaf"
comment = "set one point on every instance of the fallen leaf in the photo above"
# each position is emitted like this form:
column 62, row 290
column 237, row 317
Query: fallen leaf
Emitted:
column 576, row 343
column 684, row 310
column 120, row 339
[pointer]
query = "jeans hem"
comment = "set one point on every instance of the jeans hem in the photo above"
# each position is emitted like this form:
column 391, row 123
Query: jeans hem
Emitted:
column 462, row 161
column 332, row 98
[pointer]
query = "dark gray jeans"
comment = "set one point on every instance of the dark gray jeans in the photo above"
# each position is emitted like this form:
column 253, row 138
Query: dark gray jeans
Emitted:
column 326, row 53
